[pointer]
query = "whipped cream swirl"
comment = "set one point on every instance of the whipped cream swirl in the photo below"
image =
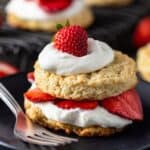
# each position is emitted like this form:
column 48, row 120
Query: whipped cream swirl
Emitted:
column 30, row 10
column 99, row 55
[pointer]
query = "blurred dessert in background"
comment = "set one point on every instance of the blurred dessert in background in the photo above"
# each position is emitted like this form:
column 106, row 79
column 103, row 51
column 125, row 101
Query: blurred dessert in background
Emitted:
column 111, row 3
column 7, row 69
column 44, row 15
column 141, row 40
column 141, row 34
column 143, row 62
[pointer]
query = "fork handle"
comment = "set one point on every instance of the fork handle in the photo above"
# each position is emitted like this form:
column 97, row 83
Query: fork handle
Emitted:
column 9, row 100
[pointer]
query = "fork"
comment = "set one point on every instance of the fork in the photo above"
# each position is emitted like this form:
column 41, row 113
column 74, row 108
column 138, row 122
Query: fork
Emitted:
column 28, row 131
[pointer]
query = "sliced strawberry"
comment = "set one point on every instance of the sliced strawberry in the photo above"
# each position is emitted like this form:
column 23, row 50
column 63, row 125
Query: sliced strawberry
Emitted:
column 36, row 95
column 70, row 104
column 88, row 104
column 2, row 74
column 53, row 5
column 66, row 104
column 30, row 77
column 7, row 69
column 127, row 105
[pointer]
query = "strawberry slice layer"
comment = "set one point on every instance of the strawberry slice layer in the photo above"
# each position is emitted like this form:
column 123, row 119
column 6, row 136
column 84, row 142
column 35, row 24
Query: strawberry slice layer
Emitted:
column 53, row 5
column 36, row 95
column 70, row 104
column 7, row 69
column 127, row 105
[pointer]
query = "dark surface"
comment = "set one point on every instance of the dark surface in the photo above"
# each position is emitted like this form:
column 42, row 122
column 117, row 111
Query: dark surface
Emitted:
column 135, row 137
column 112, row 25
column 115, row 26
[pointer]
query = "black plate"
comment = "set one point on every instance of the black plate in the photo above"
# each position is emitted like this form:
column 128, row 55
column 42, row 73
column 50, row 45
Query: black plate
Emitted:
column 136, row 137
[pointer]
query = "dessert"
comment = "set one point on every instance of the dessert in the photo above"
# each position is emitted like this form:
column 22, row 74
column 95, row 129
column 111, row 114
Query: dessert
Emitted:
column 108, row 2
column 81, row 85
column 143, row 62
column 44, row 15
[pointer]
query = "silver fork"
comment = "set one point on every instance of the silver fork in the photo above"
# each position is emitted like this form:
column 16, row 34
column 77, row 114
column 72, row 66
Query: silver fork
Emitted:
column 27, row 130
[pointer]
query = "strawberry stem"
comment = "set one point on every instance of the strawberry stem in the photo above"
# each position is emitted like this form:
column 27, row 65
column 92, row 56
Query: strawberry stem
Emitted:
column 67, row 23
column 59, row 26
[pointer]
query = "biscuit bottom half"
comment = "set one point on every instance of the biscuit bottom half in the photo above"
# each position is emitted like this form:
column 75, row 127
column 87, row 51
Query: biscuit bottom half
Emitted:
column 36, row 115
column 84, row 18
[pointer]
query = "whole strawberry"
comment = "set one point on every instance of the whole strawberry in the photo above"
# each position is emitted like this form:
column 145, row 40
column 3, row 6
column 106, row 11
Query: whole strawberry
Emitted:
column 54, row 5
column 142, row 33
column 72, row 40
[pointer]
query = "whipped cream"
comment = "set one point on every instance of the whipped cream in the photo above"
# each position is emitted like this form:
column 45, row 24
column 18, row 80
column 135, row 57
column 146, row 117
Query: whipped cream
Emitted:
column 82, row 118
column 99, row 55
column 31, row 11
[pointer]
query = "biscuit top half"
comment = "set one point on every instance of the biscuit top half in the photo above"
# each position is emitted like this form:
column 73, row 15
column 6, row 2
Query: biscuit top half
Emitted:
column 75, row 66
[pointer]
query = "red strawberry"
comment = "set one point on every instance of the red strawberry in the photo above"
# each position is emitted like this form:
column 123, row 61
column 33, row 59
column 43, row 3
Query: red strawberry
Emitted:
column 2, row 74
column 70, row 104
column 30, row 77
column 66, row 104
column 72, row 40
column 142, row 33
column 7, row 69
column 36, row 95
column 88, row 104
column 53, row 5
column 127, row 105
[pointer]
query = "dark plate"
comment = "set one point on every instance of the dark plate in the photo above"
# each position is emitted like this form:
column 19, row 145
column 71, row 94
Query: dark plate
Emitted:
column 136, row 137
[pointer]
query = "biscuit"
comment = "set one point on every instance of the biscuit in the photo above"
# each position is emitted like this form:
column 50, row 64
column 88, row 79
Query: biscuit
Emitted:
column 112, row 80
column 143, row 62
column 112, row 3
column 36, row 115
column 84, row 18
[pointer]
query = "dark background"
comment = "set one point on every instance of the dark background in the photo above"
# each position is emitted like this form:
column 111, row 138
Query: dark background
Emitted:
column 112, row 25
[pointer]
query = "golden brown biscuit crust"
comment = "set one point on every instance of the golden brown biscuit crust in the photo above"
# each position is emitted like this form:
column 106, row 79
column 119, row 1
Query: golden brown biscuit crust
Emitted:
column 112, row 80
column 143, row 62
column 84, row 18
column 112, row 3
column 36, row 115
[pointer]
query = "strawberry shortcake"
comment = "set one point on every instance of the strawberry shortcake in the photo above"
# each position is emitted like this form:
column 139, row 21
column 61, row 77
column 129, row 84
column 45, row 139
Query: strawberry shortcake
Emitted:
column 45, row 14
column 81, row 85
